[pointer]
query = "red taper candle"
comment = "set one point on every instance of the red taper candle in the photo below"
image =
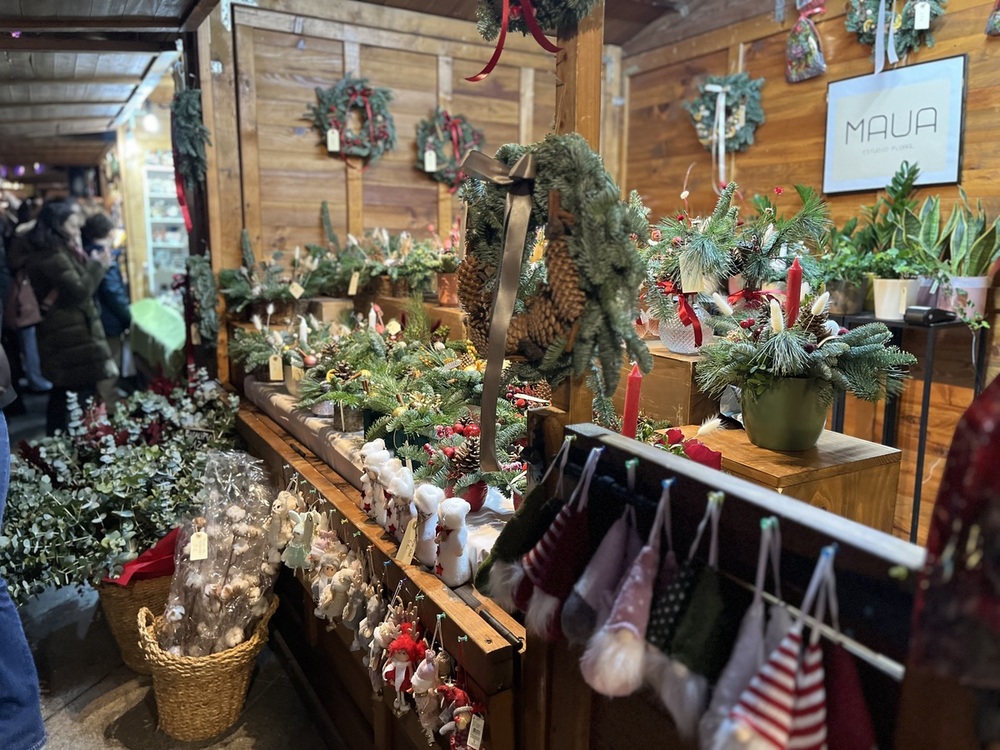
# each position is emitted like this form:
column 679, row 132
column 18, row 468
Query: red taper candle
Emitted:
column 793, row 293
column 630, row 417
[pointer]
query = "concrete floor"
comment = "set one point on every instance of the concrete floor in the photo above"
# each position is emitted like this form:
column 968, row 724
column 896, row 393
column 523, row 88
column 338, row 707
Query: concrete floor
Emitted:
column 92, row 701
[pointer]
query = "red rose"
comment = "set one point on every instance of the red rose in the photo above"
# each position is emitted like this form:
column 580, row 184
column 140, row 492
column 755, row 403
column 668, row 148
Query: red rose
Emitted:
column 674, row 436
column 698, row 451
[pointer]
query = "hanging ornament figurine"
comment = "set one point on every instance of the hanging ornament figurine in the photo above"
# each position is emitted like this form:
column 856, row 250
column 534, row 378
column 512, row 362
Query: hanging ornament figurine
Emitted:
column 423, row 686
column 296, row 554
column 453, row 564
column 374, row 614
column 427, row 498
column 405, row 652
column 385, row 474
column 357, row 598
column 401, row 489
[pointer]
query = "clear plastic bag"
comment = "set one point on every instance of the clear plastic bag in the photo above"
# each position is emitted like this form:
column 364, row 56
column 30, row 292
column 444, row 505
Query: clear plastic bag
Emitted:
column 217, row 599
column 993, row 22
column 804, row 57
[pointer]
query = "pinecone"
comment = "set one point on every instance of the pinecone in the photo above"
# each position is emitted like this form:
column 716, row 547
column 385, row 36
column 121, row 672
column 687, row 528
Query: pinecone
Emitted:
column 517, row 331
column 564, row 281
column 815, row 324
column 466, row 459
column 542, row 390
column 468, row 359
column 472, row 275
column 342, row 370
column 544, row 322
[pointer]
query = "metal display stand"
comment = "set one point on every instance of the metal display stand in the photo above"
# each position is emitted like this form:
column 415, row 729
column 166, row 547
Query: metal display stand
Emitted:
column 891, row 406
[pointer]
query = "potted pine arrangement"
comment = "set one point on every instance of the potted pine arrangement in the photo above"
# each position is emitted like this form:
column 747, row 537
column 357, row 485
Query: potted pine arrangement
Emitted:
column 789, row 365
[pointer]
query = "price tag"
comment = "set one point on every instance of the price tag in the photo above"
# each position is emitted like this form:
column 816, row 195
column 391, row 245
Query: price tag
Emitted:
column 393, row 327
column 922, row 16
column 430, row 160
column 199, row 546
column 408, row 547
column 476, row 729
column 741, row 116
column 352, row 287
column 692, row 280
column 195, row 334
column 333, row 141
column 296, row 289
column 275, row 370
column 297, row 374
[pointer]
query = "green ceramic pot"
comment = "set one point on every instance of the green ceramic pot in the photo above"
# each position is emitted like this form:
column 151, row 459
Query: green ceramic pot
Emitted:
column 788, row 416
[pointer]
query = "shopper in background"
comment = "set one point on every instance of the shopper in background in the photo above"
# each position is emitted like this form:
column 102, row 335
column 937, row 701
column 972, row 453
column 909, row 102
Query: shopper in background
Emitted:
column 74, row 351
column 21, row 313
column 112, row 298
column 21, row 725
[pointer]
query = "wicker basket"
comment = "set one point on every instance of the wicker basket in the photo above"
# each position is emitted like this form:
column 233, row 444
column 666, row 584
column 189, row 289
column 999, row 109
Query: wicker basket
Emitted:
column 200, row 697
column 121, row 605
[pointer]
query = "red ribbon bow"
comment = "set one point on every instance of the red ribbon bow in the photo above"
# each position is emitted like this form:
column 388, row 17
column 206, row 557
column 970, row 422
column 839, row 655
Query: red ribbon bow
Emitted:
column 454, row 125
column 753, row 297
column 520, row 8
column 689, row 317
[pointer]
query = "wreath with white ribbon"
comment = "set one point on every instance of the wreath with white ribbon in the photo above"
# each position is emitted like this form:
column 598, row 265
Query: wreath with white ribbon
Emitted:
column 900, row 34
column 335, row 112
column 449, row 137
column 726, row 114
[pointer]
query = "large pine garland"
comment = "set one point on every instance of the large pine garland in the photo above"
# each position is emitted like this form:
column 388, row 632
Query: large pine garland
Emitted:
column 190, row 136
column 551, row 14
column 594, row 268
column 334, row 111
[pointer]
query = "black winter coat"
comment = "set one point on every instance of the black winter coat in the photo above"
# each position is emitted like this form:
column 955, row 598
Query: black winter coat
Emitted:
column 71, row 341
column 112, row 299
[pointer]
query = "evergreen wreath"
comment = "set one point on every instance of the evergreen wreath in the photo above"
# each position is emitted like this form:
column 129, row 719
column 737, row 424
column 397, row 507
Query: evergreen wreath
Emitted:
column 862, row 19
column 743, row 111
column 190, row 136
column 450, row 137
column 576, row 309
column 551, row 14
column 377, row 132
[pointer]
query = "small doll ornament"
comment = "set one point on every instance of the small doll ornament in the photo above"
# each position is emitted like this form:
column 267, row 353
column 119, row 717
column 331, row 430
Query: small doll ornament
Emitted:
column 401, row 490
column 383, row 504
column 427, row 499
column 357, row 597
column 333, row 599
column 374, row 614
column 296, row 554
column 404, row 653
column 424, row 685
column 453, row 565
column 373, row 466
column 326, row 568
column 281, row 525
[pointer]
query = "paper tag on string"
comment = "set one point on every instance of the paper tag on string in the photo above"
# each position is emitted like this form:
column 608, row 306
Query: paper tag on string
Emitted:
column 352, row 287
column 408, row 547
column 333, row 141
column 195, row 334
column 199, row 546
column 430, row 160
column 922, row 16
column 275, row 369
column 296, row 289
column 692, row 279
column 393, row 327
column 741, row 116
column 476, row 729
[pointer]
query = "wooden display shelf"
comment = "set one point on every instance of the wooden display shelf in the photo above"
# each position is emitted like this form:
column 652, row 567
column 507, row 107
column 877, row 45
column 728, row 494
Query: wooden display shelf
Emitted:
column 669, row 390
column 845, row 475
column 489, row 657
column 453, row 317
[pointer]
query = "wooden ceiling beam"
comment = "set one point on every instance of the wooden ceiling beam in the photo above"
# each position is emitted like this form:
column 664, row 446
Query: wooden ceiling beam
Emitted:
column 197, row 14
column 78, row 103
column 73, row 24
column 95, row 81
column 150, row 81
column 45, row 43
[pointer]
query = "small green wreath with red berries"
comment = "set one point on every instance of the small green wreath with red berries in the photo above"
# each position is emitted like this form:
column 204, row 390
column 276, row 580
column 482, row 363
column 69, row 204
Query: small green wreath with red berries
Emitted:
column 334, row 111
column 450, row 138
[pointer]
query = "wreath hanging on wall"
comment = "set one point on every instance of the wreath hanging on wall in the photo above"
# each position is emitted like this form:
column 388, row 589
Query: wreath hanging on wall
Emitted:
column 577, row 307
column 353, row 119
column 743, row 110
column 862, row 19
column 450, row 138
column 550, row 14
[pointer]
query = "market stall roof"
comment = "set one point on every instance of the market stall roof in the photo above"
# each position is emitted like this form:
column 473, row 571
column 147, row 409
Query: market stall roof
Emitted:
column 72, row 68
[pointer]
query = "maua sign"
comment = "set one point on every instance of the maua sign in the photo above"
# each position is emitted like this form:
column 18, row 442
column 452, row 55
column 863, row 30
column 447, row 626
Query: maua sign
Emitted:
column 912, row 114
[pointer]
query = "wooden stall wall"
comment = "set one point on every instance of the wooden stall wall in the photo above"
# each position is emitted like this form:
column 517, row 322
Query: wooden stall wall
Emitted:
column 661, row 145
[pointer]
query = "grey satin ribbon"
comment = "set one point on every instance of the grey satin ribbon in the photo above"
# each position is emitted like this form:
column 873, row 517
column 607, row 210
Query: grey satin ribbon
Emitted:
column 518, row 180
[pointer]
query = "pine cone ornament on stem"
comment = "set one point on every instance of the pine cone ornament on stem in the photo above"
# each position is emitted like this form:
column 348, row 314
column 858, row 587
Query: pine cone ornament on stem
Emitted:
column 466, row 459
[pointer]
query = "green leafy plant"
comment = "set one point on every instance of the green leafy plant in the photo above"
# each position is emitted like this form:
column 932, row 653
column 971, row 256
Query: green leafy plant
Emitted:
column 420, row 265
column 841, row 260
column 973, row 243
column 85, row 502
column 890, row 219
column 190, row 136
column 254, row 281
column 204, row 292
column 755, row 348
column 898, row 263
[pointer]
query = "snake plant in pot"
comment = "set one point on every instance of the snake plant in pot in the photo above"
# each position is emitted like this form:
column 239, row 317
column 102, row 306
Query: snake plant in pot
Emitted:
column 970, row 252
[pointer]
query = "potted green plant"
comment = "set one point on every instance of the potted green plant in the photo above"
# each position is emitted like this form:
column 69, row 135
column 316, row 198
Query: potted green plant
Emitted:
column 844, row 269
column 420, row 266
column 252, row 348
column 257, row 284
column 788, row 371
column 447, row 279
column 897, row 272
column 968, row 255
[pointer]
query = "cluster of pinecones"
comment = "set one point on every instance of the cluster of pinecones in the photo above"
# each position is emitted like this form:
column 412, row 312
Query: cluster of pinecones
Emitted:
column 465, row 460
column 550, row 314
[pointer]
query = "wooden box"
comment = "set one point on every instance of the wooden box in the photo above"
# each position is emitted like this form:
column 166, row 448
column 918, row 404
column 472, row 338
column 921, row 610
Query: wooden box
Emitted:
column 845, row 475
column 669, row 390
column 332, row 309
column 394, row 307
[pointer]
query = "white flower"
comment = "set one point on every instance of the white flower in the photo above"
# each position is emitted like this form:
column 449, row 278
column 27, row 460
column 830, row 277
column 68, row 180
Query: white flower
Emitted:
column 257, row 322
column 722, row 303
column 768, row 234
column 298, row 253
column 777, row 317
column 684, row 195
column 351, row 239
column 270, row 309
column 819, row 306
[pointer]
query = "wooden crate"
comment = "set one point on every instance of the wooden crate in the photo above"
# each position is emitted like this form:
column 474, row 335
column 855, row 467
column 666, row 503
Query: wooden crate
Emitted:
column 332, row 309
column 845, row 475
column 669, row 390
column 394, row 307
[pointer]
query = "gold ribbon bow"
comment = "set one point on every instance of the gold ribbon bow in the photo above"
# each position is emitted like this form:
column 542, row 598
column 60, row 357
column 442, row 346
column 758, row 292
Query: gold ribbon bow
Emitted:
column 519, row 180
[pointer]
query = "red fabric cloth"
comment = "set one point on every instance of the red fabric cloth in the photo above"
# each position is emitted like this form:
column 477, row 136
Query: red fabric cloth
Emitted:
column 956, row 622
column 848, row 721
column 155, row 562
